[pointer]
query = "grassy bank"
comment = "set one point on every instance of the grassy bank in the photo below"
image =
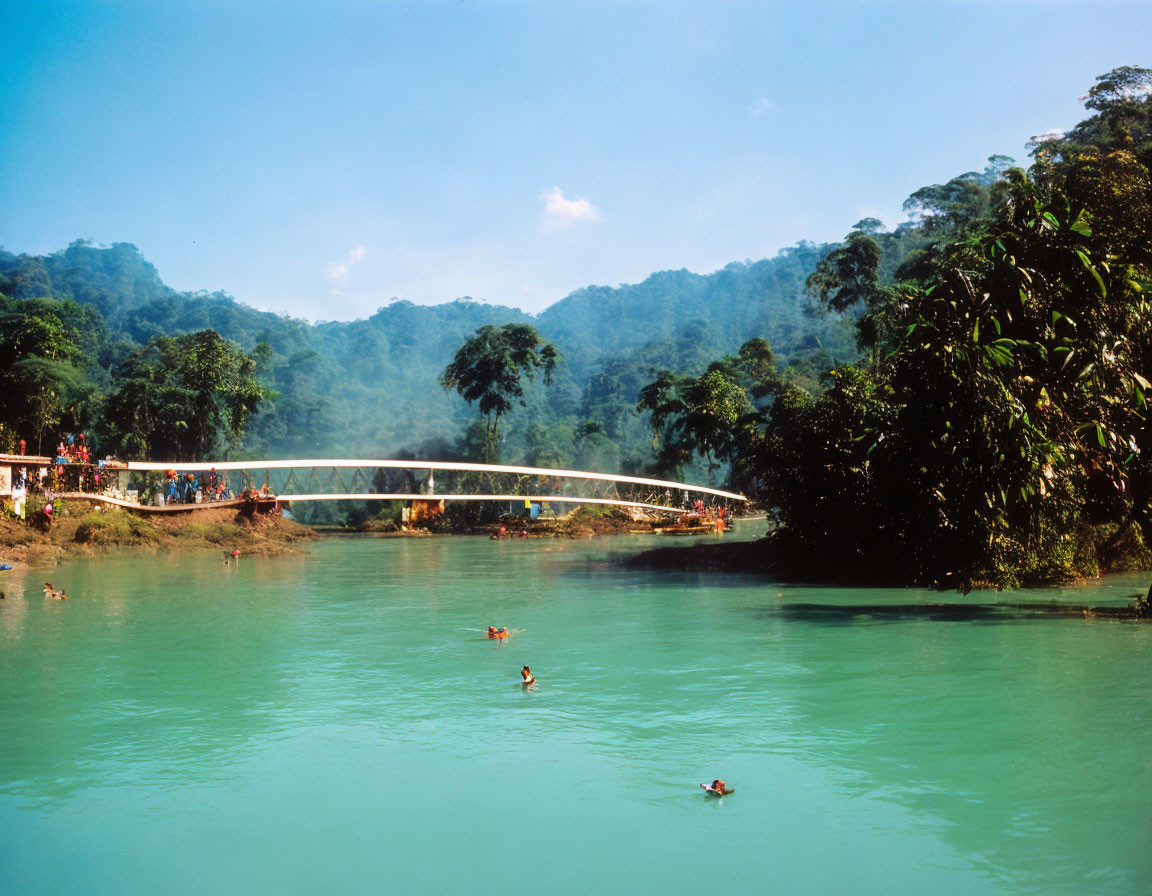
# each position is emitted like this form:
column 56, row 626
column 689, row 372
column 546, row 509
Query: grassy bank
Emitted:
column 83, row 529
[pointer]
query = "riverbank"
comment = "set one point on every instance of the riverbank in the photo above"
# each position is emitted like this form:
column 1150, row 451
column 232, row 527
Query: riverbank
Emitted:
column 86, row 529
column 584, row 521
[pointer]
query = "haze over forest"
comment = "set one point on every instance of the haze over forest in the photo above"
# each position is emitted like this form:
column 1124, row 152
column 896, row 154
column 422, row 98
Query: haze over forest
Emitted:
column 369, row 387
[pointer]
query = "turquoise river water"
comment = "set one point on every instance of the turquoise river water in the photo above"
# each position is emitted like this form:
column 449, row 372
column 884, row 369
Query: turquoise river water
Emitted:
column 335, row 722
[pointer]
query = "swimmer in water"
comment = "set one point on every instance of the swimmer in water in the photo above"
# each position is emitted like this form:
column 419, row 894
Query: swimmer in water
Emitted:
column 720, row 788
column 527, row 678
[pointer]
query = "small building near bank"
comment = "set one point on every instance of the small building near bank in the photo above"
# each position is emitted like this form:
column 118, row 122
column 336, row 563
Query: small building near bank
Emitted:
column 16, row 468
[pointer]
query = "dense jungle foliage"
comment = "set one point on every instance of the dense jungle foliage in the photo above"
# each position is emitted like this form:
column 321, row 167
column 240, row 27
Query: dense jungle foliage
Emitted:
column 82, row 349
column 996, row 428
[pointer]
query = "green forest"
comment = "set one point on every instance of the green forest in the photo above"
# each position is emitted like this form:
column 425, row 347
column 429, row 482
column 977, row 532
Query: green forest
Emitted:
column 91, row 340
column 957, row 402
column 994, row 429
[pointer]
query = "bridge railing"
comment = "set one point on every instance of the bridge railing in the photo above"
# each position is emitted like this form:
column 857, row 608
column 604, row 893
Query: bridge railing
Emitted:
column 372, row 479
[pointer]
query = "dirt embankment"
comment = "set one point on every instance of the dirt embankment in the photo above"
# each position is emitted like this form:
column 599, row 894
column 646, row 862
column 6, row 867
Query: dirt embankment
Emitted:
column 584, row 521
column 84, row 529
column 587, row 521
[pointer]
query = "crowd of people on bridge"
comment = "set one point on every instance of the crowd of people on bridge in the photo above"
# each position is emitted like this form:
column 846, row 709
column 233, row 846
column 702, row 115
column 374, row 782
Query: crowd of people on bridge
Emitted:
column 189, row 489
column 74, row 469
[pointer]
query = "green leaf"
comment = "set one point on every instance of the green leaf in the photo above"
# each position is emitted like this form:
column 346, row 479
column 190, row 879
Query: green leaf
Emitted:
column 1095, row 274
column 1080, row 225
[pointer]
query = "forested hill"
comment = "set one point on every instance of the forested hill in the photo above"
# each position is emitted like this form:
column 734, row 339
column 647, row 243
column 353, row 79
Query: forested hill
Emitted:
column 742, row 301
column 370, row 386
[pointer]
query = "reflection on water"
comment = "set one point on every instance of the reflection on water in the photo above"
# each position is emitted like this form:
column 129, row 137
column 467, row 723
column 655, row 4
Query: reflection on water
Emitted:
column 177, row 722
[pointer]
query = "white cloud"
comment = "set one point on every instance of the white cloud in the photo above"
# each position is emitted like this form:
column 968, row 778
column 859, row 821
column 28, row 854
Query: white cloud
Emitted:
column 761, row 106
column 1048, row 136
column 339, row 271
column 560, row 212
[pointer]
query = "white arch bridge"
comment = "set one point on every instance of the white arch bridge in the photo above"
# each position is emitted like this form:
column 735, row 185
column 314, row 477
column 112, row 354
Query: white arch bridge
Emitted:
column 421, row 480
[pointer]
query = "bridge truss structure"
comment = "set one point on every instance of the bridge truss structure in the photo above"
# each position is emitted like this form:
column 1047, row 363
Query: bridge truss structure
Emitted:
column 419, row 480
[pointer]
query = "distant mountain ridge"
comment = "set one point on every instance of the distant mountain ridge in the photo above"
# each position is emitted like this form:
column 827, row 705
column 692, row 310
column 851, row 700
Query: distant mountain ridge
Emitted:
column 370, row 385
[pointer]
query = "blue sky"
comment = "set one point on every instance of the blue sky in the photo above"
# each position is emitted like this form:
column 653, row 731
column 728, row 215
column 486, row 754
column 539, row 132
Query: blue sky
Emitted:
column 320, row 159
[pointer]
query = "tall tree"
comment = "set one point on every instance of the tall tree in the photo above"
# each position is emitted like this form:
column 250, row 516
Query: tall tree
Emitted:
column 38, row 372
column 1122, row 103
column 849, row 277
column 490, row 369
column 183, row 398
column 713, row 415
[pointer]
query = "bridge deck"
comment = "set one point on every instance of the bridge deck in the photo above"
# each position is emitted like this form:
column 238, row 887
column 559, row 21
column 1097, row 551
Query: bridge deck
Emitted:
column 345, row 464
column 535, row 499
column 327, row 479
